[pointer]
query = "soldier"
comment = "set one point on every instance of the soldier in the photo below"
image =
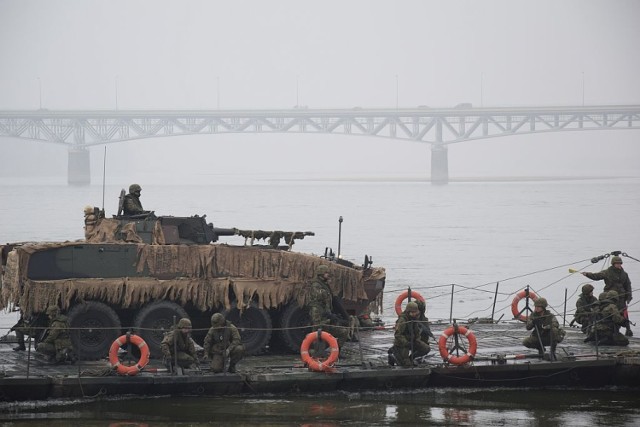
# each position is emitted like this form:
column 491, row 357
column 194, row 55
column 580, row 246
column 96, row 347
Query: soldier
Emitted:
column 586, row 308
column 56, row 344
column 132, row 204
column 546, row 329
column 320, row 306
column 179, row 340
column 616, row 279
column 222, row 342
column 407, row 344
column 609, row 320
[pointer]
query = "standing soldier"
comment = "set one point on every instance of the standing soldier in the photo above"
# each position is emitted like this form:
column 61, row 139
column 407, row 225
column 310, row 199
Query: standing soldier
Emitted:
column 546, row 329
column 221, row 343
column 407, row 344
column 586, row 308
column 609, row 320
column 320, row 306
column 56, row 344
column 616, row 279
column 177, row 346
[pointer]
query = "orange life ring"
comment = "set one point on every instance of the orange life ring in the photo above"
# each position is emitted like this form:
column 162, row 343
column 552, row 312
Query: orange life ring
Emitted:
column 516, row 300
column 457, row 360
column 403, row 296
column 317, row 364
column 133, row 369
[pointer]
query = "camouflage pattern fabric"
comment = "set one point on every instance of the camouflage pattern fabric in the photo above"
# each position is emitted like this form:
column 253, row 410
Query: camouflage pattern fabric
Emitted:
column 607, row 330
column 549, row 328
column 218, row 340
column 132, row 205
column 57, row 342
column 408, row 331
column 615, row 279
column 586, row 308
column 184, row 346
column 319, row 306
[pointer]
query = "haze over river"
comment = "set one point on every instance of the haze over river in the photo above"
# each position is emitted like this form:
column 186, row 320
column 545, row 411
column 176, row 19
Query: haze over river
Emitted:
column 473, row 234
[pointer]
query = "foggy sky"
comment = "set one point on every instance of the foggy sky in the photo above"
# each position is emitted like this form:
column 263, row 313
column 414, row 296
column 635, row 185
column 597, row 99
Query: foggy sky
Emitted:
column 342, row 54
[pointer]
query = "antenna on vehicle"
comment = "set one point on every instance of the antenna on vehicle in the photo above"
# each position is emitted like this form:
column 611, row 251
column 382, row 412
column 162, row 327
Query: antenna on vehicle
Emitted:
column 339, row 234
column 104, row 173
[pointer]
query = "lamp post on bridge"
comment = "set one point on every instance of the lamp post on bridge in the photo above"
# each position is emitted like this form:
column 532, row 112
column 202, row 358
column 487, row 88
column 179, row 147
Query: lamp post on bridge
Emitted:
column 116, row 92
column 40, row 93
column 481, row 89
column 397, row 91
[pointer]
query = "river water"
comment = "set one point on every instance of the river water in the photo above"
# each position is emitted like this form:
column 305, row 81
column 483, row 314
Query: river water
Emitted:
column 472, row 238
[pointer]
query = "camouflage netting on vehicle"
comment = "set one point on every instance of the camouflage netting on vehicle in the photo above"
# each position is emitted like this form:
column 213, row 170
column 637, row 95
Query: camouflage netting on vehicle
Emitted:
column 271, row 277
column 112, row 230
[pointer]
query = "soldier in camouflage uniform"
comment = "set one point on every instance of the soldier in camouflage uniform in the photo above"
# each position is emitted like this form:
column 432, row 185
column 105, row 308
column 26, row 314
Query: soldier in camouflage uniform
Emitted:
column 407, row 344
column 320, row 306
column 542, row 322
column 616, row 279
column 609, row 320
column 179, row 340
column 132, row 204
column 586, row 308
column 56, row 345
column 222, row 342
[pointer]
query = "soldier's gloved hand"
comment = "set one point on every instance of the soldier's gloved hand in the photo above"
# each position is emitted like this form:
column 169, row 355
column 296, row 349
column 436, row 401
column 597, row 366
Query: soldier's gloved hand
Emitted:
column 629, row 298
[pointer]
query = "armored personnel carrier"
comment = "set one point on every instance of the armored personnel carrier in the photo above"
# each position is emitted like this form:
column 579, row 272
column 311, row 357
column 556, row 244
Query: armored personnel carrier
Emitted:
column 143, row 273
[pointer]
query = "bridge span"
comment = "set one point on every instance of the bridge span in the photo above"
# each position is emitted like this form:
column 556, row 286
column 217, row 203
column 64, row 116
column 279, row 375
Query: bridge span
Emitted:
column 438, row 127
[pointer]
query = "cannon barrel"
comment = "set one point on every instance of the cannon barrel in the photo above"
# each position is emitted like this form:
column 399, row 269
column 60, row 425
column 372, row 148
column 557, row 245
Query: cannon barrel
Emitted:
column 225, row 231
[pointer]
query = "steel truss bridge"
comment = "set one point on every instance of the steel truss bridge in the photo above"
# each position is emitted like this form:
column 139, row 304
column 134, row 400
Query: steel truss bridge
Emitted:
column 80, row 130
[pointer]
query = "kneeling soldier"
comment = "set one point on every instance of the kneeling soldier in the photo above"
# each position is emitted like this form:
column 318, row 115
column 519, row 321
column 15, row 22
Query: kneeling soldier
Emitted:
column 221, row 343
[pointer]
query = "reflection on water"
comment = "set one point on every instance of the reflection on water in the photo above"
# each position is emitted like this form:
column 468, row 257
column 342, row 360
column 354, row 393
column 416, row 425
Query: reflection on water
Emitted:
column 458, row 407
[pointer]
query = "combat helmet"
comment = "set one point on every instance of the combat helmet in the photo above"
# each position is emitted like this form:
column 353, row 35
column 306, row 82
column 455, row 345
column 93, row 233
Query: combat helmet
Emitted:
column 604, row 296
column 541, row 302
column 184, row 323
column 587, row 289
column 616, row 260
column 217, row 319
column 321, row 270
column 411, row 306
column 134, row 188
column 612, row 296
column 52, row 311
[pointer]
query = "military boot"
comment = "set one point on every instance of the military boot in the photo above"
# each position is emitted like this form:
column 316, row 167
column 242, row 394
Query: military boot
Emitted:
column 629, row 333
column 20, row 347
column 232, row 368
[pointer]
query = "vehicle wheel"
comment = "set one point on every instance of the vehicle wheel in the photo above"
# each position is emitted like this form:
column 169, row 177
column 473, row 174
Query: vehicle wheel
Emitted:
column 154, row 320
column 254, row 325
column 94, row 327
column 292, row 323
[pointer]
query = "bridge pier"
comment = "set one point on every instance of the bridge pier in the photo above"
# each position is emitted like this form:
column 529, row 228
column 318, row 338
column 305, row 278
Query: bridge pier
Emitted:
column 439, row 164
column 79, row 167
